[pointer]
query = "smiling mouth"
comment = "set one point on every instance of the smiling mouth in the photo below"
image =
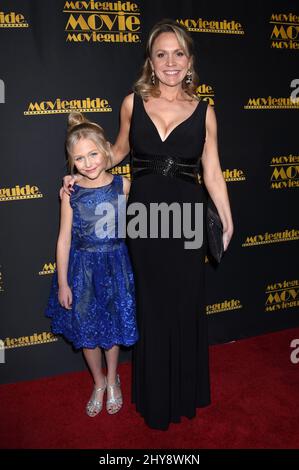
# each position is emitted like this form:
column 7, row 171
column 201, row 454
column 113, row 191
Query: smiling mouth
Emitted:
column 90, row 171
column 171, row 72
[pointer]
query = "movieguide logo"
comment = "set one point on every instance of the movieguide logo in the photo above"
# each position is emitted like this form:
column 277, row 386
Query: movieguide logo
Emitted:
column 206, row 93
column 17, row 192
column 200, row 25
column 265, row 238
column 224, row 306
column 272, row 103
column 12, row 20
column 86, row 105
column 282, row 295
column 284, row 34
column 97, row 22
column 48, row 268
column 121, row 170
column 35, row 338
column 285, row 172
column 234, row 175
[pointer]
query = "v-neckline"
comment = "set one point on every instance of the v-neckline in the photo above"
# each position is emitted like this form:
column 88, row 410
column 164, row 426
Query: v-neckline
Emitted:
column 178, row 125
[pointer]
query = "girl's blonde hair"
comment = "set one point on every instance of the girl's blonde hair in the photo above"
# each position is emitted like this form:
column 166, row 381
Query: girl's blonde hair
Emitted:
column 79, row 127
column 144, row 86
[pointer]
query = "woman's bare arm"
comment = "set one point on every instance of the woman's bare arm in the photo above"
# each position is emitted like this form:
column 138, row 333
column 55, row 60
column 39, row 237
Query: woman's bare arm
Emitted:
column 121, row 147
column 213, row 177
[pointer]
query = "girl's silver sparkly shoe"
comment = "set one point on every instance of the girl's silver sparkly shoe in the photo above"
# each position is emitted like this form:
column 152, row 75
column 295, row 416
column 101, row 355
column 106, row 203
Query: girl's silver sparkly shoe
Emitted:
column 114, row 404
column 94, row 406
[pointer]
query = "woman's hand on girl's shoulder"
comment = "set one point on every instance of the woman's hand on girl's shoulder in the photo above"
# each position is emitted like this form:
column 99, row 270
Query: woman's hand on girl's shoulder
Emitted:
column 68, row 183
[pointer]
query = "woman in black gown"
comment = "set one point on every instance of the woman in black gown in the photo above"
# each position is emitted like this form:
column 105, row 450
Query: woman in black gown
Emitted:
column 168, row 127
column 172, row 138
column 170, row 362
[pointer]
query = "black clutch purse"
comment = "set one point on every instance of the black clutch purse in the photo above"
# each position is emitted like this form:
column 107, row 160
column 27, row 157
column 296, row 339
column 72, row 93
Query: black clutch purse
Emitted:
column 214, row 231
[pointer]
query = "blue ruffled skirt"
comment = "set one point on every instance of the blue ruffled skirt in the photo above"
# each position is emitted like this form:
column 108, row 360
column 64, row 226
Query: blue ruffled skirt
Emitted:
column 103, row 307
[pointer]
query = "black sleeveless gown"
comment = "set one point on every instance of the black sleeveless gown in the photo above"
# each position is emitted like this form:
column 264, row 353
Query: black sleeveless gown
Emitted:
column 170, row 360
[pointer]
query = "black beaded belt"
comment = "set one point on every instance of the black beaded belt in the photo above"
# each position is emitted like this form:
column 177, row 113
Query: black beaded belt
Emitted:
column 165, row 165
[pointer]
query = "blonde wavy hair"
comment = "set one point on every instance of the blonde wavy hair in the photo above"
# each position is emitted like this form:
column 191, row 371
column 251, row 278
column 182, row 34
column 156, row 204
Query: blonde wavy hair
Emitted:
column 79, row 127
column 144, row 86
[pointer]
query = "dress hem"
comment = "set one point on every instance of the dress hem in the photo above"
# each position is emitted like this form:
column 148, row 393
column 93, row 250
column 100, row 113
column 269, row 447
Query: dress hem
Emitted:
column 97, row 344
column 173, row 420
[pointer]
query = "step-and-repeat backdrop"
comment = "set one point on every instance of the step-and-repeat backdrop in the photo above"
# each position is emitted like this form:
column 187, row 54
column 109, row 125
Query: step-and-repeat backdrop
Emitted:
column 60, row 55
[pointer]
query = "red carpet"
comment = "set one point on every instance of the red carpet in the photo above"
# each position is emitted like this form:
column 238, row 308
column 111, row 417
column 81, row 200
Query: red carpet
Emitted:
column 255, row 404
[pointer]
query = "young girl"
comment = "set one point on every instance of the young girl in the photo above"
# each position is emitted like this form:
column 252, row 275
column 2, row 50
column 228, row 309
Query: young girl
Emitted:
column 92, row 299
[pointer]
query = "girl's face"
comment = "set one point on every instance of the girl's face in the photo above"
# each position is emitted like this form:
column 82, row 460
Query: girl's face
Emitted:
column 169, row 61
column 88, row 159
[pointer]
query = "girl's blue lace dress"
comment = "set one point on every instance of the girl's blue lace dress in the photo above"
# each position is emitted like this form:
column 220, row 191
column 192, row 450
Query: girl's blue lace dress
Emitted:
column 99, row 274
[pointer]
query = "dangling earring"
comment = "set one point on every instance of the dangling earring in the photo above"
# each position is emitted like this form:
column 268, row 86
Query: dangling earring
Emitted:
column 188, row 78
column 153, row 78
